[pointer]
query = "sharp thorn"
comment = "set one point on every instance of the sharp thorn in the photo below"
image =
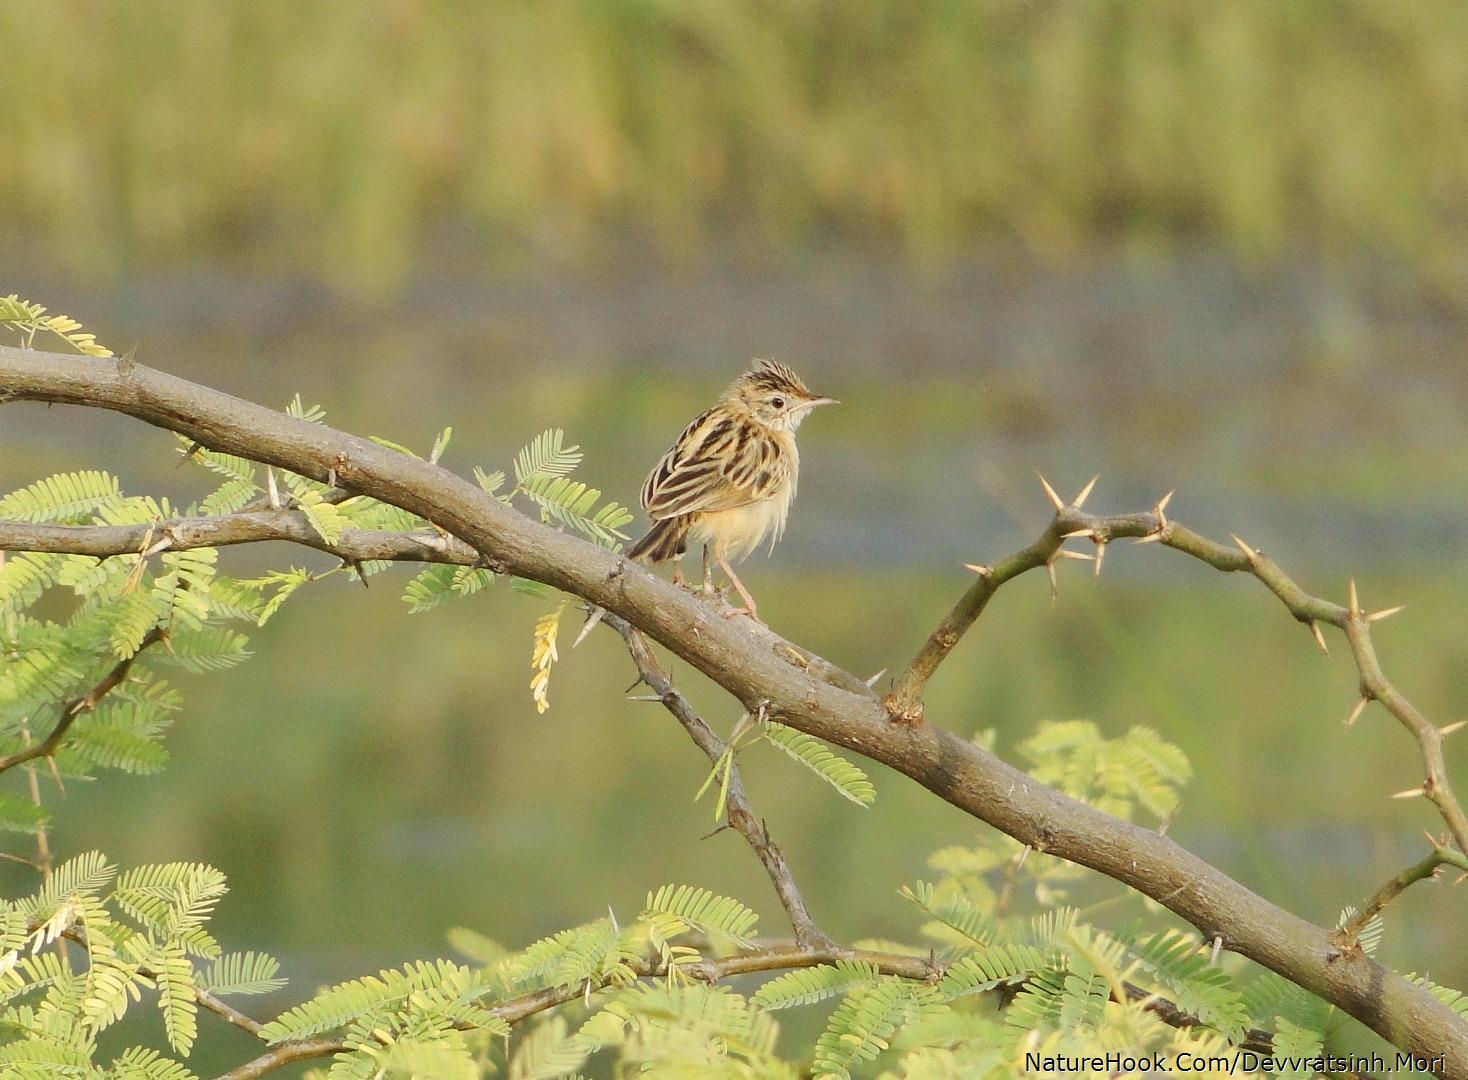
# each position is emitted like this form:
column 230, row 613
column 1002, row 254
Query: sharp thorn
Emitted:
column 1050, row 492
column 1357, row 711
column 1217, row 948
column 1150, row 538
column 645, row 697
column 1064, row 553
column 1162, row 502
column 188, row 455
column 982, row 571
column 1054, row 588
column 1024, row 853
column 1377, row 616
column 1100, row 554
column 1354, row 602
column 56, row 775
column 721, row 828
column 1249, row 553
column 873, row 680
column 1077, row 532
column 591, row 621
column 635, row 684
column 272, row 492
column 1319, row 636
column 1450, row 728
column 1085, row 492
column 1410, row 793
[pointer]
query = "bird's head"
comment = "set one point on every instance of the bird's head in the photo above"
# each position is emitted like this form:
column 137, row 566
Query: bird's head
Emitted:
column 774, row 396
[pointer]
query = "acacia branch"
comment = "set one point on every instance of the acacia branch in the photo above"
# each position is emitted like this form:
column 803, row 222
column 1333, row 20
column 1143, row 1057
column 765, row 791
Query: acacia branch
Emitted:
column 773, row 957
column 756, row 666
column 224, row 530
column 1438, row 857
column 83, row 703
column 740, row 814
column 214, row 1004
column 904, row 703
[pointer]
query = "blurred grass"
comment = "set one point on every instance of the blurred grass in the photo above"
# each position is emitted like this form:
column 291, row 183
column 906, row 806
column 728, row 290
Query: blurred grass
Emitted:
column 349, row 138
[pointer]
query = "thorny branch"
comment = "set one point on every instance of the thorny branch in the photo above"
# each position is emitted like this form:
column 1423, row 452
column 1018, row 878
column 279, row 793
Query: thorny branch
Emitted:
column 1441, row 855
column 740, row 814
column 84, row 703
column 805, row 691
column 773, row 957
column 904, row 703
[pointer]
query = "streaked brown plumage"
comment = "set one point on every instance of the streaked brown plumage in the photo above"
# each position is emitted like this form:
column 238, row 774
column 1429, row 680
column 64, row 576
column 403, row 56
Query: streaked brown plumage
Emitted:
column 728, row 480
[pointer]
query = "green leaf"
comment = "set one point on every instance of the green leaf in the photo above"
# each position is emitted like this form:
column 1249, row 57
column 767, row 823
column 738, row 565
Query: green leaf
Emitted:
column 1198, row 987
column 65, row 497
column 20, row 815
column 863, row 1025
column 570, row 502
column 547, row 1052
column 176, row 998
column 213, row 648
column 546, row 457
column 810, row 985
column 967, row 926
column 315, row 414
column 705, row 911
column 324, row 517
column 489, row 481
column 981, row 971
column 242, row 973
column 847, row 778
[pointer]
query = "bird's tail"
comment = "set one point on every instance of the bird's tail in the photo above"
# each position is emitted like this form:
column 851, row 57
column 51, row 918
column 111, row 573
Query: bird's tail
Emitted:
column 666, row 539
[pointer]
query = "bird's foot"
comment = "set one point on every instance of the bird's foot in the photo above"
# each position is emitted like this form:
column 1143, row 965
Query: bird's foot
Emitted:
column 751, row 611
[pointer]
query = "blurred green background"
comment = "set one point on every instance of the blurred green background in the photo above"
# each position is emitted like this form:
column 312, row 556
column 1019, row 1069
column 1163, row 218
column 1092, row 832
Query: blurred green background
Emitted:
column 1210, row 247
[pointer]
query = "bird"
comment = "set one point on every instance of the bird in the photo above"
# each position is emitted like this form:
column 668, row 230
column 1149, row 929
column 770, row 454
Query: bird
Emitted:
column 728, row 480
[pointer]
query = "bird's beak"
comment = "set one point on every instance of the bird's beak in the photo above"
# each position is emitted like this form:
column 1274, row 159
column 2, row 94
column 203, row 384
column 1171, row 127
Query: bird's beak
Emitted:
column 813, row 402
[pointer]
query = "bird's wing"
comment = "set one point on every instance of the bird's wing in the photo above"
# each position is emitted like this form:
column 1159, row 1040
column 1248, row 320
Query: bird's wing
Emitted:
column 718, row 463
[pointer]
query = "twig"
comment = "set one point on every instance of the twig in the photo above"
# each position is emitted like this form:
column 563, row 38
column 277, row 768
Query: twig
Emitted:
column 740, row 813
column 74, row 707
column 224, row 530
column 218, row 1007
column 1440, row 855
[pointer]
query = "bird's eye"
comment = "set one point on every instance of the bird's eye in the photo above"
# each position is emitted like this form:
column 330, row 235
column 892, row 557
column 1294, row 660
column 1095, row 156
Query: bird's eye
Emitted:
column 777, row 402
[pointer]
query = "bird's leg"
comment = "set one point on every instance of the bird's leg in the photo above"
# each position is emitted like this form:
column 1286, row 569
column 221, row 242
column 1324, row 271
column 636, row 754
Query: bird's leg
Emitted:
column 749, row 607
column 708, row 571
column 678, row 578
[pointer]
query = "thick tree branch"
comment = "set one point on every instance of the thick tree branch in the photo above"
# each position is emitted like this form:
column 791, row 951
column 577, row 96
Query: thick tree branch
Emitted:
column 84, row 703
column 757, row 667
column 739, row 812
